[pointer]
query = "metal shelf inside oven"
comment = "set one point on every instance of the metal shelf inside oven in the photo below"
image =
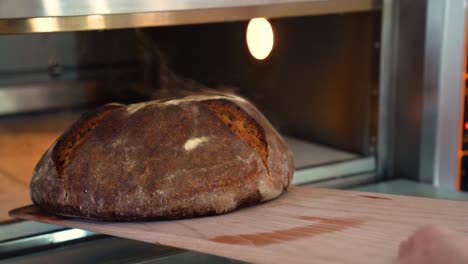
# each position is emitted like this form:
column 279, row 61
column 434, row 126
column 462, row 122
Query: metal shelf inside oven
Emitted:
column 26, row 16
column 413, row 188
column 308, row 154
column 315, row 162
column 113, row 250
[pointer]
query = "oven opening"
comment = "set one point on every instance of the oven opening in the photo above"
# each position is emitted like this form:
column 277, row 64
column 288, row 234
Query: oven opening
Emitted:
column 369, row 95
column 314, row 77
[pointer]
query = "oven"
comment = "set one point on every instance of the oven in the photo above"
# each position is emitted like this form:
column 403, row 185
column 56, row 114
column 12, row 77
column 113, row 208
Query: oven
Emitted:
column 368, row 94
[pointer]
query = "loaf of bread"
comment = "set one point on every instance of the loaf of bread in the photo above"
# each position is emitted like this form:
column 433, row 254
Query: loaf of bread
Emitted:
column 197, row 155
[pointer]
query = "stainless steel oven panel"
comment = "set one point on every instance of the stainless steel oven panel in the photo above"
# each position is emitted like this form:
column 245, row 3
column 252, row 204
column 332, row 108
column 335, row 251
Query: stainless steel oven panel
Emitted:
column 421, row 80
column 26, row 16
column 442, row 101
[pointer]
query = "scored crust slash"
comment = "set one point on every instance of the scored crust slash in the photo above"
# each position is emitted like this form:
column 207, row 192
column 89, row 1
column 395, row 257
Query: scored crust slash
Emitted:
column 192, row 156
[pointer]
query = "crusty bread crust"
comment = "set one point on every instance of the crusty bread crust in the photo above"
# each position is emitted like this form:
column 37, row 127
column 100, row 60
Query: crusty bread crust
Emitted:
column 193, row 156
column 243, row 125
column 74, row 136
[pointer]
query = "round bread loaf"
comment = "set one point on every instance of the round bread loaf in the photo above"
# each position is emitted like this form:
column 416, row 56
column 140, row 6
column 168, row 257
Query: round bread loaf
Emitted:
column 193, row 156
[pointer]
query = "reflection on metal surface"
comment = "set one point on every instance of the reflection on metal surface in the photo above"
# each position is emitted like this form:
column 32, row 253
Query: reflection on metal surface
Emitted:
column 16, row 16
column 26, row 98
column 259, row 38
column 402, row 89
column 442, row 102
column 387, row 74
column 17, row 229
column 52, row 7
column 96, row 21
column 68, row 235
column 43, row 24
column 412, row 188
column 115, row 250
column 346, row 182
column 99, row 6
column 44, row 8
column 10, row 247
column 334, row 170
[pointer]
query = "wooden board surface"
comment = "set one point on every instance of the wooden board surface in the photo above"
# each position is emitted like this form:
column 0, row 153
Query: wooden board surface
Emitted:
column 306, row 225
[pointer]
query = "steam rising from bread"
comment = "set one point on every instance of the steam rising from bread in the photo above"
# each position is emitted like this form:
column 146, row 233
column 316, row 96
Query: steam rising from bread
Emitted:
column 160, row 81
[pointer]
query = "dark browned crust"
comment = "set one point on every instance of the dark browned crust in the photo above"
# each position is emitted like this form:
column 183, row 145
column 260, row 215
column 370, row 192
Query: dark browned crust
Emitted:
column 132, row 163
column 76, row 134
column 243, row 125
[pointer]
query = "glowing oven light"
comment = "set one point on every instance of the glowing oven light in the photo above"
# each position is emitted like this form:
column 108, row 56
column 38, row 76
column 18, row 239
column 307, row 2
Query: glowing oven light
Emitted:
column 259, row 38
column 466, row 125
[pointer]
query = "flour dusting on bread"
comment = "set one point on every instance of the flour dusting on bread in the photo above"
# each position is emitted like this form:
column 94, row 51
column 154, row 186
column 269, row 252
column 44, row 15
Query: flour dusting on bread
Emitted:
column 194, row 142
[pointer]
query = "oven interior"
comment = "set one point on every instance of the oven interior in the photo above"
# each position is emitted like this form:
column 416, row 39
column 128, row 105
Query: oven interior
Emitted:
column 319, row 87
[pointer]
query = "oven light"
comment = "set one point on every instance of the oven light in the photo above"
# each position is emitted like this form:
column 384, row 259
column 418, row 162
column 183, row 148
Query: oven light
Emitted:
column 259, row 38
column 466, row 125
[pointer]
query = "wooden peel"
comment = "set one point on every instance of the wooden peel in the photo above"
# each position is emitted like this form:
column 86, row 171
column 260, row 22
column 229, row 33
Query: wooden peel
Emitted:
column 306, row 225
